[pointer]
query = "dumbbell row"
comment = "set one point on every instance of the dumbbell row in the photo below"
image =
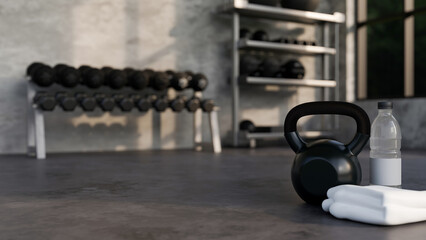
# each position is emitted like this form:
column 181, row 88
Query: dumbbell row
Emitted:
column 69, row 77
column 261, row 35
column 48, row 102
column 270, row 67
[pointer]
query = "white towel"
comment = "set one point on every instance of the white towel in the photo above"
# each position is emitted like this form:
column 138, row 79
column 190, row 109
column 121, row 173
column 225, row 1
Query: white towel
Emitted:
column 376, row 204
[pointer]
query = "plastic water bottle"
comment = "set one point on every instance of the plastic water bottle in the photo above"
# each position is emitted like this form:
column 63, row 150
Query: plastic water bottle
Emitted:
column 385, row 145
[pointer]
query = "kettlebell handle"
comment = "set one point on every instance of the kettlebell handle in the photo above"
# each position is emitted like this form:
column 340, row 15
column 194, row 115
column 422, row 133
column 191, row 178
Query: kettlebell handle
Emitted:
column 327, row 107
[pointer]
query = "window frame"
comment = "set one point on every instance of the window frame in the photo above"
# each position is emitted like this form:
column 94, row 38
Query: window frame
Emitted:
column 361, row 23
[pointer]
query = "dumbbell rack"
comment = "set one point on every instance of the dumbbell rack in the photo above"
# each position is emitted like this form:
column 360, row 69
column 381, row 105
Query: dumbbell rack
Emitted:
column 243, row 8
column 36, row 143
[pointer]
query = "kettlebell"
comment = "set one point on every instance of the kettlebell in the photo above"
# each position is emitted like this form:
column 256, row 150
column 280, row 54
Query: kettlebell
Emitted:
column 325, row 163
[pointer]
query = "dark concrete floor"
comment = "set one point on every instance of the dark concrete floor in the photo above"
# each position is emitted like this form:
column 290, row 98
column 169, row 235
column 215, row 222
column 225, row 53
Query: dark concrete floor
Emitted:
column 240, row 194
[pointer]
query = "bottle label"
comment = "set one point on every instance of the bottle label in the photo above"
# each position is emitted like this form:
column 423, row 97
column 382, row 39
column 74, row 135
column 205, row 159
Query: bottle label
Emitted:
column 385, row 171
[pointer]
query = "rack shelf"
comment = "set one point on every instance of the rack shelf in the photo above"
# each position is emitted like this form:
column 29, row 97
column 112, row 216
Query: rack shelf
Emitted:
column 288, row 82
column 292, row 48
column 284, row 14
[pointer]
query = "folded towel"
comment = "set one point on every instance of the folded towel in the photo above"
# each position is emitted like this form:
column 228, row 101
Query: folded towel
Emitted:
column 376, row 204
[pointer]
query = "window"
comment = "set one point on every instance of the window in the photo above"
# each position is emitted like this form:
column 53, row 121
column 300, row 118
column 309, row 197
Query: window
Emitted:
column 391, row 48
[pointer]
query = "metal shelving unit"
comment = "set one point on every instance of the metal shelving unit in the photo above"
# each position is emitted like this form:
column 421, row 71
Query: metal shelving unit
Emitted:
column 243, row 8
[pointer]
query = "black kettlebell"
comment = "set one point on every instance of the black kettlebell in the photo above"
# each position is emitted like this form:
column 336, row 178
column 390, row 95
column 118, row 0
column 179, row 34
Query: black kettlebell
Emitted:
column 323, row 164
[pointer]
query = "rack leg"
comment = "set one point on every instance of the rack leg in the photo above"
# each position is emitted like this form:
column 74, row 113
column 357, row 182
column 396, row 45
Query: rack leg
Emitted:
column 30, row 132
column 30, row 122
column 40, row 144
column 326, row 39
column 336, row 71
column 156, row 132
column 215, row 133
column 198, row 131
column 326, row 71
column 252, row 143
column 235, row 74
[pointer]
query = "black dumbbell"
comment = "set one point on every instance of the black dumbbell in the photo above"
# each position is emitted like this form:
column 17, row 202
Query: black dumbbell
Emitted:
column 265, row 2
column 41, row 74
column 137, row 79
column 143, row 103
column 177, row 104
column 106, row 70
column 91, row 77
column 268, row 68
column 105, row 102
column 66, row 76
column 292, row 69
column 249, row 65
column 247, row 125
column 124, row 103
column 281, row 40
column 87, row 103
column 66, row 102
column 160, row 103
column 114, row 78
column 198, row 81
column 45, row 101
column 178, row 80
column 192, row 104
column 158, row 80
column 149, row 71
column 244, row 33
column 33, row 66
column 207, row 105
column 260, row 35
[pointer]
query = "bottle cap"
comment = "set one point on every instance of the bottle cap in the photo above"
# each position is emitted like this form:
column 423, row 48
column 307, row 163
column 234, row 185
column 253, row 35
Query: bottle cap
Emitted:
column 385, row 105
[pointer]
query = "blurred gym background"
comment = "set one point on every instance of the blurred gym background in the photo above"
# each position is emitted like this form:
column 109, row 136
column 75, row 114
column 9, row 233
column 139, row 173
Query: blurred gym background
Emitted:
column 192, row 35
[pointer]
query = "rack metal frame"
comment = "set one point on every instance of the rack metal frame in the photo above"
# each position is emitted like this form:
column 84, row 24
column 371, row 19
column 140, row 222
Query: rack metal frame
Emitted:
column 240, row 8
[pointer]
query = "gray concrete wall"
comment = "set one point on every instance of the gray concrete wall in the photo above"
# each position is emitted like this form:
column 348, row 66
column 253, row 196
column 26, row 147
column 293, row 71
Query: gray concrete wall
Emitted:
column 162, row 34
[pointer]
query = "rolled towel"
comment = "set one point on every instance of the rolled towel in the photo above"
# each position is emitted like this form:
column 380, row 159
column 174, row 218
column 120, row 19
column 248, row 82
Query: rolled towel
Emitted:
column 376, row 204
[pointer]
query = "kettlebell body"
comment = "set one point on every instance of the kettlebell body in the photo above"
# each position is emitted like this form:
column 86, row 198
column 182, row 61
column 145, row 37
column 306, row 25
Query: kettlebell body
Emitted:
column 325, row 163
